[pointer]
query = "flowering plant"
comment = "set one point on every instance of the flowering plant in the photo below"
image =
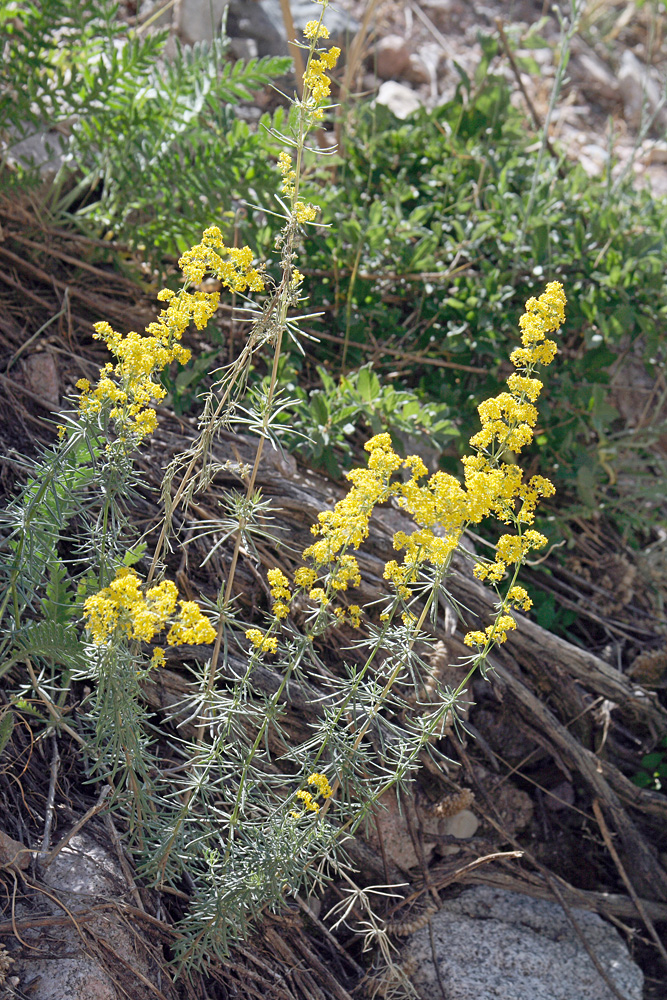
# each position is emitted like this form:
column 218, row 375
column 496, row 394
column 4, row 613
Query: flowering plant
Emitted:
column 252, row 814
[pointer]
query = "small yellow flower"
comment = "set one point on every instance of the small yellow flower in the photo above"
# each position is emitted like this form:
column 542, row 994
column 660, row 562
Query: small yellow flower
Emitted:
column 305, row 213
column 314, row 29
column 305, row 577
column 322, row 784
column 308, row 800
column 158, row 658
column 261, row 642
column 319, row 595
column 519, row 597
column 475, row 639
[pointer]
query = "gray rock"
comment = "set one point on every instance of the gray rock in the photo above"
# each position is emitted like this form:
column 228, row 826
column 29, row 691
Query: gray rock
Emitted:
column 401, row 100
column 43, row 149
column 199, row 20
column 497, row 945
column 641, row 92
column 82, row 875
column 262, row 20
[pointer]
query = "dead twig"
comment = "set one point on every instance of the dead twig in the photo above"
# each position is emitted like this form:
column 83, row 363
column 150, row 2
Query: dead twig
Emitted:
column 55, row 764
column 585, row 942
column 47, row 859
column 641, row 909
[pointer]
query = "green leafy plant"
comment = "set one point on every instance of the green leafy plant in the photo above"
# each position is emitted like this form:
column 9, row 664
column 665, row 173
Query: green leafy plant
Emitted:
column 439, row 227
column 653, row 770
column 326, row 422
column 152, row 145
column 251, row 811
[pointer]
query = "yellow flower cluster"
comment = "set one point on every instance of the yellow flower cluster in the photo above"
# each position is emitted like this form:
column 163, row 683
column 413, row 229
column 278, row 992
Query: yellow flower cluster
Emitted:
column 305, row 577
column 323, row 790
column 518, row 597
column 280, row 592
column 317, row 85
column 442, row 507
column 351, row 615
column 123, row 608
column 288, row 173
column 231, row 265
column 129, row 387
column 315, row 30
column 493, row 633
column 262, row 643
column 304, row 212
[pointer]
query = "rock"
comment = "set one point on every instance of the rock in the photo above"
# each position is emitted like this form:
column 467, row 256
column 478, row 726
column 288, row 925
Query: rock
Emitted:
column 462, row 826
column 492, row 944
column 654, row 153
column 392, row 57
column 13, row 854
column 243, row 48
column 561, row 797
column 593, row 158
column 401, row 100
column 42, row 149
column 640, row 92
column 593, row 75
column 262, row 21
column 419, row 70
column 41, row 375
column 398, row 825
column 198, row 20
column 82, row 875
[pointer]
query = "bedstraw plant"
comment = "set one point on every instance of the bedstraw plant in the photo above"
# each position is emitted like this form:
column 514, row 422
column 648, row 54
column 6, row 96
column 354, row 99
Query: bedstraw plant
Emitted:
column 250, row 816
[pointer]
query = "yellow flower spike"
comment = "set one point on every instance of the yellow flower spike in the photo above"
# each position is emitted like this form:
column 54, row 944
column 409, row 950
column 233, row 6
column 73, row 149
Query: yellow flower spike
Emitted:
column 315, row 30
column 261, row 642
column 518, row 596
column 322, row 784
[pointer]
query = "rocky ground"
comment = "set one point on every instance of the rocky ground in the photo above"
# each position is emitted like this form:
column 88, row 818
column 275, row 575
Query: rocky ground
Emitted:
column 406, row 54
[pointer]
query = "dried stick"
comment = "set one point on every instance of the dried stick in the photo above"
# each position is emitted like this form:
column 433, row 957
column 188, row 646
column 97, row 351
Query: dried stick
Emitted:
column 582, row 937
column 648, row 923
column 98, row 807
column 55, row 764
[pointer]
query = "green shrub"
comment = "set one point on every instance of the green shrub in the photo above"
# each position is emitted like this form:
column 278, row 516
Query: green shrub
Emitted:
column 433, row 252
column 153, row 146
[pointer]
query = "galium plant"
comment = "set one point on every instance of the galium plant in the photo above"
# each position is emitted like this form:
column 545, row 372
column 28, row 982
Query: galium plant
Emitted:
column 251, row 814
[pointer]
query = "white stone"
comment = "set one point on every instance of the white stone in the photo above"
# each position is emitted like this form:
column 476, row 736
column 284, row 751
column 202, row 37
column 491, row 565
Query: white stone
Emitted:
column 400, row 100
column 640, row 92
column 497, row 945
column 199, row 20
column 463, row 825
